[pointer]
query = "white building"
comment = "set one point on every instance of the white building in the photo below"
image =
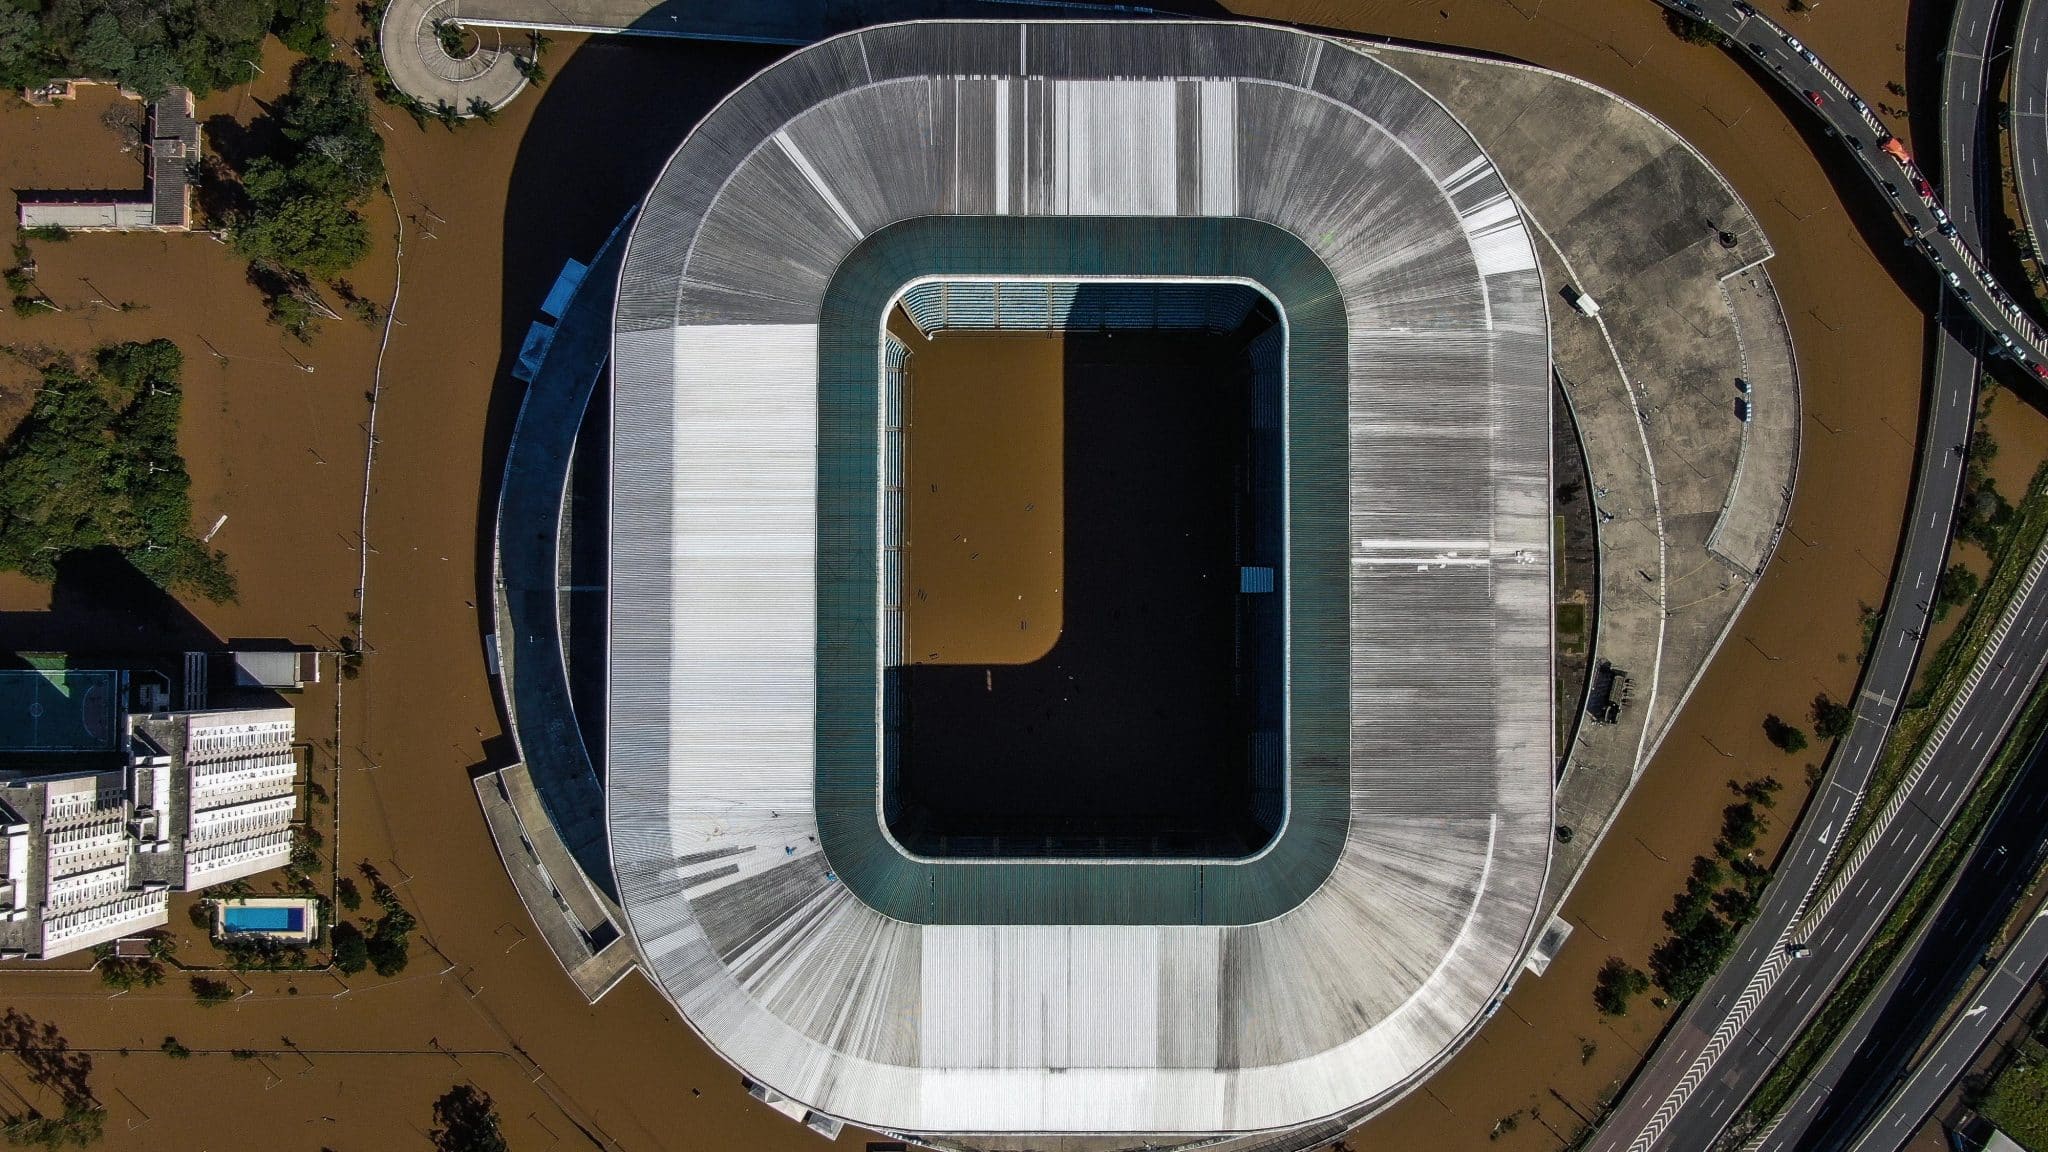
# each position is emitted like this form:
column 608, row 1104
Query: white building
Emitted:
column 91, row 856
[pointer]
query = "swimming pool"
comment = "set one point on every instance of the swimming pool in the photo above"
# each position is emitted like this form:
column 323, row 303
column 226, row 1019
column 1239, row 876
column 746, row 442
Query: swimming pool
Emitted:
column 236, row 918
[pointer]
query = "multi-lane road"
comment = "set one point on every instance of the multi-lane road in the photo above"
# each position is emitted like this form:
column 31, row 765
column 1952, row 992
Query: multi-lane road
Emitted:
column 2030, row 112
column 1780, row 55
column 1826, row 1108
column 1943, row 1066
column 1839, row 1101
column 1736, row 1028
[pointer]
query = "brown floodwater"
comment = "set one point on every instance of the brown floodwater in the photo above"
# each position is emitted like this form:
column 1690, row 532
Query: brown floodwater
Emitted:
column 490, row 212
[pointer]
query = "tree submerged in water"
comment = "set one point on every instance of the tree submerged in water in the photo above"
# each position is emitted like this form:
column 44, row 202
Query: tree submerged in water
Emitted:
column 95, row 464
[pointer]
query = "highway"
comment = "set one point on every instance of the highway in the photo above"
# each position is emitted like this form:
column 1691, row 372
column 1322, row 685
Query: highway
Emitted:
column 2030, row 111
column 1779, row 54
column 1733, row 1031
column 1965, row 1037
column 1836, row 1104
column 1819, row 1115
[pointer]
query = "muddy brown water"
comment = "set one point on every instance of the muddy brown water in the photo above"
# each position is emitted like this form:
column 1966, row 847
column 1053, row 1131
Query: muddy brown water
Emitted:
column 491, row 212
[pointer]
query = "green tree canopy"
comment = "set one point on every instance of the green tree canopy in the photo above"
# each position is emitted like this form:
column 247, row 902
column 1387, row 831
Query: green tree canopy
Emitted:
column 95, row 464
column 465, row 1120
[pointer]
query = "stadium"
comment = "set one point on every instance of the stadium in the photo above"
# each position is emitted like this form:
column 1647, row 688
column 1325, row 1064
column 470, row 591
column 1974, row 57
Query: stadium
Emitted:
column 1079, row 581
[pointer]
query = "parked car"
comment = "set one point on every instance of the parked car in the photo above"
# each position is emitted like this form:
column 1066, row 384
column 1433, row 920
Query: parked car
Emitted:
column 1925, row 189
column 1818, row 100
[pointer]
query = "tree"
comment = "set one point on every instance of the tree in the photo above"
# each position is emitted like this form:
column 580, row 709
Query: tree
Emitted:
column 302, row 26
column 80, row 1126
column 209, row 991
column 298, row 214
column 1617, row 982
column 1956, row 587
column 25, row 59
column 1683, row 963
column 1790, row 740
column 126, row 973
column 1831, row 721
column 466, row 1121
column 1693, row 31
column 1741, row 825
column 95, row 464
column 351, row 949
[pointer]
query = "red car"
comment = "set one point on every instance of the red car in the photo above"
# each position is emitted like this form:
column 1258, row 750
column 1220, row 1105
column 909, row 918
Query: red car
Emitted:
column 2041, row 370
column 1816, row 98
column 1924, row 188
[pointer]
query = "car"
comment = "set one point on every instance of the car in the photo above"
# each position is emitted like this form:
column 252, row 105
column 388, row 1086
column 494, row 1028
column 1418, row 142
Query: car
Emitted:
column 1809, row 57
column 2007, row 341
column 1855, row 142
column 1795, row 951
column 1796, row 45
column 1912, row 222
column 1756, row 48
column 2040, row 370
column 1954, row 280
column 1891, row 189
column 1818, row 100
column 1744, row 10
column 1948, row 229
column 1925, row 189
column 1860, row 105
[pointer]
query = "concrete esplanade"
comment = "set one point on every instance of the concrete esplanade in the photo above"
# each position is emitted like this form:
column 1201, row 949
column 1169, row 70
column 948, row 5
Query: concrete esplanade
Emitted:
column 1292, row 991
column 410, row 40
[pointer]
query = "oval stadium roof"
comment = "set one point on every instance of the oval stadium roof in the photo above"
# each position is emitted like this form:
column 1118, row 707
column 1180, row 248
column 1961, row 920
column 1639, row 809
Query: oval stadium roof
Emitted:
column 1363, row 963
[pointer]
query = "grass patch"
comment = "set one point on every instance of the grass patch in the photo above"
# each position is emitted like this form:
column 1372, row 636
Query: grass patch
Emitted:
column 2018, row 1100
column 1571, row 619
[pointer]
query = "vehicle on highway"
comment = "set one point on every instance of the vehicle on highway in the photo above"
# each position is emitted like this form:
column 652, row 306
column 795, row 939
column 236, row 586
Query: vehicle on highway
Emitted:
column 1819, row 101
column 1948, row 229
column 1744, row 10
column 1795, row 44
column 1860, row 105
column 1925, row 189
column 1795, row 951
column 1954, row 280
column 1756, row 48
column 1891, row 189
column 1891, row 147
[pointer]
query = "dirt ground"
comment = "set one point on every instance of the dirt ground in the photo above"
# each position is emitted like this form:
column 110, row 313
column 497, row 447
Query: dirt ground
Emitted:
column 490, row 213
column 986, row 499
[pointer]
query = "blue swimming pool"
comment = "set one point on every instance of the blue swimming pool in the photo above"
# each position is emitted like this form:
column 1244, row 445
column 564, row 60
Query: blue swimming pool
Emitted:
column 236, row 918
